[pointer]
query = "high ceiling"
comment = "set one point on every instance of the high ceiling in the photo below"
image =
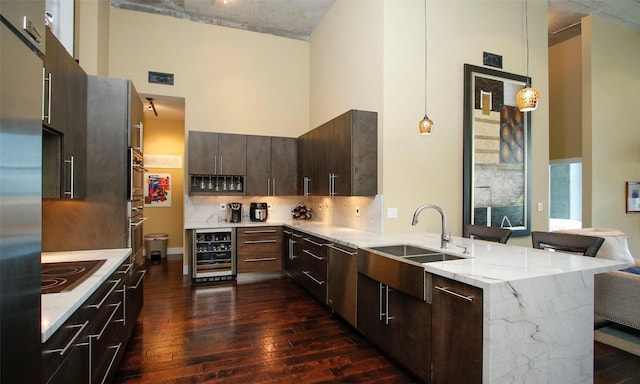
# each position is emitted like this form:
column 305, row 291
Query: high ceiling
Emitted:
column 296, row 19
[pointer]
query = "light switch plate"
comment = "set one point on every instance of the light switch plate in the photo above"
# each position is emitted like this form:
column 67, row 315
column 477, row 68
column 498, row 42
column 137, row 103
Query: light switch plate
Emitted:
column 392, row 213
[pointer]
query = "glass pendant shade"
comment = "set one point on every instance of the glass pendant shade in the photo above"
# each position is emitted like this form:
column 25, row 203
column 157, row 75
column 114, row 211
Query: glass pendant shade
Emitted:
column 527, row 99
column 425, row 125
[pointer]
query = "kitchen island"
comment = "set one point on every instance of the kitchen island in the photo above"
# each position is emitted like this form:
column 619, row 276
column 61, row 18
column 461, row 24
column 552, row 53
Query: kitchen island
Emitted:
column 537, row 305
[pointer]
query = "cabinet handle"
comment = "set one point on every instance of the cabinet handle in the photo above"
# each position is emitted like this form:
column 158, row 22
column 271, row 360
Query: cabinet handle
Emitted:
column 388, row 317
column 64, row 350
column 113, row 359
column 129, row 266
column 291, row 255
column 261, row 231
column 305, row 187
column 286, row 232
column 341, row 250
column 142, row 273
column 97, row 306
column 308, row 240
column 261, row 259
column 141, row 125
column 106, row 324
column 297, row 235
column 446, row 290
column 313, row 278
column 48, row 80
column 72, row 167
column 260, row 241
column 273, row 193
column 311, row 254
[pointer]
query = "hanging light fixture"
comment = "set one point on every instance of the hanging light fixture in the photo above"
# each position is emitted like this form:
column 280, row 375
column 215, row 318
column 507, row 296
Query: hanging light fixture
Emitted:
column 426, row 124
column 527, row 98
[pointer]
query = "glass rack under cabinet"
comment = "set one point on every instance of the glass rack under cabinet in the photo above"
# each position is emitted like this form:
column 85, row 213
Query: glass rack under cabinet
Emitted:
column 216, row 184
column 213, row 255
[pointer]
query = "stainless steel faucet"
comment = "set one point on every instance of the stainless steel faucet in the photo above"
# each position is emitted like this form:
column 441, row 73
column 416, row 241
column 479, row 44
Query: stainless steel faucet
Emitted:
column 444, row 238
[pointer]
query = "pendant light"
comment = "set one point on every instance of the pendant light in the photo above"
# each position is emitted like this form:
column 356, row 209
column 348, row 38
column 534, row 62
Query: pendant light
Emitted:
column 527, row 98
column 426, row 124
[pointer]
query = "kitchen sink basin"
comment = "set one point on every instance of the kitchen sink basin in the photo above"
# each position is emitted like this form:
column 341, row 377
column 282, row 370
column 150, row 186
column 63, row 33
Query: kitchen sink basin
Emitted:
column 432, row 257
column 404, row 250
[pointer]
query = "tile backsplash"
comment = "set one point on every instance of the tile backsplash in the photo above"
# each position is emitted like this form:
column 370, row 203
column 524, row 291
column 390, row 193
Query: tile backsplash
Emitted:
column 363, row 213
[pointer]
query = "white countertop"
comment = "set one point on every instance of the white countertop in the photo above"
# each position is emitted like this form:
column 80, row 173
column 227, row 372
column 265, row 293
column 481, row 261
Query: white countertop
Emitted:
column 58, row 307
column 486, row 262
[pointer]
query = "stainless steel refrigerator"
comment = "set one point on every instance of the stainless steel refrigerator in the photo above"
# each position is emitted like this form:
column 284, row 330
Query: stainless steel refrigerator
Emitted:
column 20, row 189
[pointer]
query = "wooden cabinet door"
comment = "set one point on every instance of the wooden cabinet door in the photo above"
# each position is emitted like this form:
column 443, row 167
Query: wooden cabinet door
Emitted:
column 321, row 150
column 203, row 152
column 305, row 163
column 370, row 313
column 410, row 325
column 66, row 113
column 339, row 162
column 283, row 166
column 232, row 152
column 456, row 332
column 136, row 128
column 259, row 249
column 257, row 182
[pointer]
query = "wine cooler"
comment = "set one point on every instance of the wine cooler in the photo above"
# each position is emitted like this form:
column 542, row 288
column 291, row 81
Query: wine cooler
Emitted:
column 213, row 254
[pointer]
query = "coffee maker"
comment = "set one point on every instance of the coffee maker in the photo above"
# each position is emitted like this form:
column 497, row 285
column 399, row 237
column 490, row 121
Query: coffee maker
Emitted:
column 234, row 212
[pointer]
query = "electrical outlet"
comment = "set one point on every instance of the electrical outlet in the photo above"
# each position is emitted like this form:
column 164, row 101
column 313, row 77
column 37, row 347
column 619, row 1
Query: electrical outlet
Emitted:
column 269, row 206
column 357, row 211
column 223, row 207
column 540, row 207
column 392, row 213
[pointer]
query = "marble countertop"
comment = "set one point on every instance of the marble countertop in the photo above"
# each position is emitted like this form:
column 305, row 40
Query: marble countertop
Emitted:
column 58, row 307
column 484, row 264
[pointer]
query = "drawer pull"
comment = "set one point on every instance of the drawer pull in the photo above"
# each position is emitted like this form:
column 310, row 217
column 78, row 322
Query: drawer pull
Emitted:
column 313, row 242
column 115, row 309
column 115, row 284
column 261, row 259
column 64, row 350
column 142, row 273
column 311, row 254
column 260, row 231
column 446, row 290
column 126, row 270
column 341, row 250
column 287, row 232
column 113, row 359
column 296, row 235
column 313, row 278
column 260, row 241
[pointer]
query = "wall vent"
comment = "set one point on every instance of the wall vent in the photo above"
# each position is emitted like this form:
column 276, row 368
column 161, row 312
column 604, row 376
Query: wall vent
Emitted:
column 161, row 78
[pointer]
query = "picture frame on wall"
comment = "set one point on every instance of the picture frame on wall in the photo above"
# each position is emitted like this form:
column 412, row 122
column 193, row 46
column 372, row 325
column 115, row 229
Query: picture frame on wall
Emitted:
column 632, row 196
column 497, row 151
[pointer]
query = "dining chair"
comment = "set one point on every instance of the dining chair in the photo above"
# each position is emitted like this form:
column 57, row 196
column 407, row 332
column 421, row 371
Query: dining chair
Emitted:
column 567, row 242
column 482, row 232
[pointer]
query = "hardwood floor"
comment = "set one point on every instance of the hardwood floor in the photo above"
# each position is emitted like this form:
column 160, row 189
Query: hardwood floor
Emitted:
column 267, row 331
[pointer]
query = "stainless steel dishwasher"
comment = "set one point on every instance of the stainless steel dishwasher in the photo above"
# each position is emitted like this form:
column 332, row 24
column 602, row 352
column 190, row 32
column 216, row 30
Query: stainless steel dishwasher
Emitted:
column 343, row 281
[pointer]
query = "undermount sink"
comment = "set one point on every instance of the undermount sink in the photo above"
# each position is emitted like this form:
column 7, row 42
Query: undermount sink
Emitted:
column 430, row 258
column 405, row 250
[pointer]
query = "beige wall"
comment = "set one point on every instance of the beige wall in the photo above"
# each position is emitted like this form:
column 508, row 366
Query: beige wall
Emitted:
column 232, row 80
column 166, row 137
column 417, row 169
column 610, row 115
column 565, row 100
column 93, row 36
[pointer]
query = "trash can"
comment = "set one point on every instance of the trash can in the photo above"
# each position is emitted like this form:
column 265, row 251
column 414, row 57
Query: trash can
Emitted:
column 156, row 245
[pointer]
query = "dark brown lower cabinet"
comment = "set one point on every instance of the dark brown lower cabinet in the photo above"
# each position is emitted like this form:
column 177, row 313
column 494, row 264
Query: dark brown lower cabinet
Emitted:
column 397, row 323
column 456, row 332
column 88, row 347
column 259, row 249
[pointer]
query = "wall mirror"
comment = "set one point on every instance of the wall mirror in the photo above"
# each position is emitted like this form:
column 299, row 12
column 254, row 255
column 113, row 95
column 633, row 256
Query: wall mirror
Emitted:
column 497, row 151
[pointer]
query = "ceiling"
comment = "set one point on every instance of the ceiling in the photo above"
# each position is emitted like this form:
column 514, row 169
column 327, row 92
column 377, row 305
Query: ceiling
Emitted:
column 296, row 19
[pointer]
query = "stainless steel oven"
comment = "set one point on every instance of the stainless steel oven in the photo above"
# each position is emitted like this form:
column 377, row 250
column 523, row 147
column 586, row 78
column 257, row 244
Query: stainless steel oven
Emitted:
column 135, row 196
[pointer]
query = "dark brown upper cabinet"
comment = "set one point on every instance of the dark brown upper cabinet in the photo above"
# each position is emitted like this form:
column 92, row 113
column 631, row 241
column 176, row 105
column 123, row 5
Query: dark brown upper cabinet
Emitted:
column 340, row 157
column 64, row 123
column 271, row 166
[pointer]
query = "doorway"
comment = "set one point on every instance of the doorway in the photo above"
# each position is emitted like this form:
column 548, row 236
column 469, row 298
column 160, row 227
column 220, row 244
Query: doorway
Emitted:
column 565, row 194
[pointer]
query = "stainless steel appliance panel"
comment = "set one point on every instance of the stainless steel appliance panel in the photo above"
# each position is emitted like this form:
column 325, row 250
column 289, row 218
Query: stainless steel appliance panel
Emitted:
column 20, row 207
column 343, row 281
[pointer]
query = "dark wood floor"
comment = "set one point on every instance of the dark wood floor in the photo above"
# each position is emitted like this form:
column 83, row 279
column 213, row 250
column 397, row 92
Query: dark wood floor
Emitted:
column 267, row 331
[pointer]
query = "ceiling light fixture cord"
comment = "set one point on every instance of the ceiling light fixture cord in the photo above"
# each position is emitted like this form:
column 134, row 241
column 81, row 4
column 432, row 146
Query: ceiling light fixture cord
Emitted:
column 425, row 57
column 526, row 26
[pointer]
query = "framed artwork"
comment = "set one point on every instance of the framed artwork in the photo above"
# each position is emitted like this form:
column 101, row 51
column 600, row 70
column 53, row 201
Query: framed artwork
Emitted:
column 632, row 195
column 497, row 151
column 157, row 190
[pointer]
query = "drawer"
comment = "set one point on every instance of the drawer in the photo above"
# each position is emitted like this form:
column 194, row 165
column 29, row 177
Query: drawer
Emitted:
column 259, row 263
column 260, row 246
column 248, row 232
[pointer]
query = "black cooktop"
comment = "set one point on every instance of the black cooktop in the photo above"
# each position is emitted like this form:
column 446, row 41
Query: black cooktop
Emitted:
column 65, row 276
